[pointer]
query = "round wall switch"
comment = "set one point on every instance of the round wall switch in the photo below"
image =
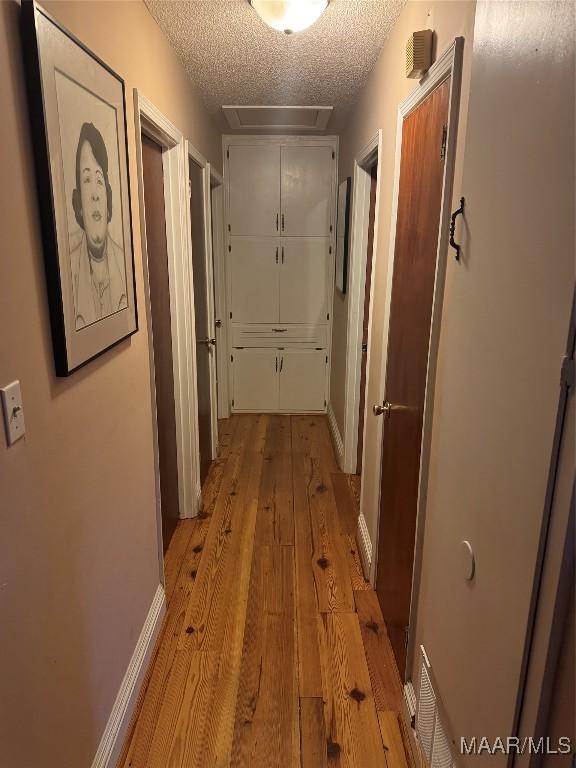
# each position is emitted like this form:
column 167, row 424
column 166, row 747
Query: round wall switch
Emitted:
column 467, row 561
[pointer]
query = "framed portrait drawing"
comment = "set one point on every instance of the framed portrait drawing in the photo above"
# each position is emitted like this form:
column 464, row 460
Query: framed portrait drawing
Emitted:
column 78, row 114
column 342, row 234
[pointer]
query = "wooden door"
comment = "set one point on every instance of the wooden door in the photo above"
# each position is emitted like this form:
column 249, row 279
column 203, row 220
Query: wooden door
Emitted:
column 304, row 279
column 366, row 315
column 417, row 230
column 254, row 177
column 254, row 267
column 302, row 379
column 255, row 379
column 306, row 194
column 205, row 349
column 154, row 207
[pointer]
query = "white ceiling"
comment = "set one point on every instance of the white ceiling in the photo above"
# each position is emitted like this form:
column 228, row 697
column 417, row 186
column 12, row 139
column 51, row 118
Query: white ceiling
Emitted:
column 232, row 57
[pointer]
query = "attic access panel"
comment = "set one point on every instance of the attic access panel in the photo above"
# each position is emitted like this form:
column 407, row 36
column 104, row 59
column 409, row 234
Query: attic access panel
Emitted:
column 277, row 117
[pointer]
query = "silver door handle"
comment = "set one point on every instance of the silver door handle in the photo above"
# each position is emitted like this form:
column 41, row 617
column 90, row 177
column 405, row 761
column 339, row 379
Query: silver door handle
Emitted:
column 387, row 408
column 207, row 341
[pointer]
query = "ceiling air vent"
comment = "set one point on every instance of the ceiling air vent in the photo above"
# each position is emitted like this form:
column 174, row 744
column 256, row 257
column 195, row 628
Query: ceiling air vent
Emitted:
column 277, row 118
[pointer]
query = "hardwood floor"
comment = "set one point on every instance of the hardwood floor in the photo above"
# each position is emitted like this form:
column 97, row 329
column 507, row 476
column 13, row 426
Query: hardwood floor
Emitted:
column 274, row 651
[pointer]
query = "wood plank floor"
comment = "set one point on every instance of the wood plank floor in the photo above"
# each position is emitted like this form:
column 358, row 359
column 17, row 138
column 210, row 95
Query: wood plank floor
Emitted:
column 274, row 651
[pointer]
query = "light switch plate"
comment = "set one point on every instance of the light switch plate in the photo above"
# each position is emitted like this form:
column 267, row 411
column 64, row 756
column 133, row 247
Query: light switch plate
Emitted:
column 13, row 412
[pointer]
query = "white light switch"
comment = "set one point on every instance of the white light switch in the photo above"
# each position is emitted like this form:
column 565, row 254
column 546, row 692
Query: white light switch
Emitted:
column 13, row 412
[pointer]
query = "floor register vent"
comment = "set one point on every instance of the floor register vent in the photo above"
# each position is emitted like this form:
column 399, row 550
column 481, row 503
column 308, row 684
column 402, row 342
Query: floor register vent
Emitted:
column 431, row 733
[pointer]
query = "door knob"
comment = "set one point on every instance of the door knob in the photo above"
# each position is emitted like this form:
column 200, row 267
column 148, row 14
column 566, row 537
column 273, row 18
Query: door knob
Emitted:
column 218, row 323
column 387, row 408
column 207, row 341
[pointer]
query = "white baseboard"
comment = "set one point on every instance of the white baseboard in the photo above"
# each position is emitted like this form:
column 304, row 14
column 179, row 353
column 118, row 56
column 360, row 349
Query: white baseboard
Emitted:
column 116, row 729
column 336, row 436
column 365, row 545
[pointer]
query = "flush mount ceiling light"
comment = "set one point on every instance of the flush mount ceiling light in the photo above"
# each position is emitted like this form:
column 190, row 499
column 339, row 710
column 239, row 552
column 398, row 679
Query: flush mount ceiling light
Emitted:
column 289, row 16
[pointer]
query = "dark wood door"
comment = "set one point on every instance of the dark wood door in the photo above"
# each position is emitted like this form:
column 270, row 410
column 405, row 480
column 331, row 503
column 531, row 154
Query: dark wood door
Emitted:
column 417, row 230
column 161, row 333
column 204, row 350
column 366, row 317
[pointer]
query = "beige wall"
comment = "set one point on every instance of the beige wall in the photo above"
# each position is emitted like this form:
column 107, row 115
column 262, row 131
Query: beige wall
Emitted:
column 377, row 108
column 78, row 550
column 504, row 332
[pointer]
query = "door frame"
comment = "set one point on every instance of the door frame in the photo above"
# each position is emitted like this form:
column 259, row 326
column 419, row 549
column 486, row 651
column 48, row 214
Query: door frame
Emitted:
column 150, row 121
column 449, row 64
column 220, row 309
column 198, row 158
column 363, row 163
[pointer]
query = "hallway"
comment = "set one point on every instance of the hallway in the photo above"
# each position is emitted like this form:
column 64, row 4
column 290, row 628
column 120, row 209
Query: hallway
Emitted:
column 273, row 651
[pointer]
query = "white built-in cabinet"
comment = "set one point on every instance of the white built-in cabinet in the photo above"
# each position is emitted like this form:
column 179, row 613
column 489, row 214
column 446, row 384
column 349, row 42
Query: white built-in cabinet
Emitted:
column 280, row 279
column 280, row 255
column 285, row 380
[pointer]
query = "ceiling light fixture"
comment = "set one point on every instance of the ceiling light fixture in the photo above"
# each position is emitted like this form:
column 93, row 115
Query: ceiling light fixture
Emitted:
column 289, row 16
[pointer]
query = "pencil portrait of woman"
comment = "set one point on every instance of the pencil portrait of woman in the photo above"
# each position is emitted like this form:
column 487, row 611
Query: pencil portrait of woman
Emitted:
column 97, row 261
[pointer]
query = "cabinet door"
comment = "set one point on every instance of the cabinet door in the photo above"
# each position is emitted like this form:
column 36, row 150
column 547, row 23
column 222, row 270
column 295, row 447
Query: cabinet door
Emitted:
column 302, row 379
column 255, row 377
column 306, row 191
column 254, row 189
column 304, row 280
column 253, row 264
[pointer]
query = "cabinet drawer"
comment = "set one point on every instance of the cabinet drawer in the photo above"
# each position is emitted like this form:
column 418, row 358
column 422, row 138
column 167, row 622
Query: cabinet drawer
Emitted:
column 278, row 335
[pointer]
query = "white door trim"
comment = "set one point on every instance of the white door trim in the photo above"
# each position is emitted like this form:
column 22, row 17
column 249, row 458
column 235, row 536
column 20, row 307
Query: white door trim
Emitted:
column 361, row 184
column 193, row 154
column 449, row 64
column 150, row 121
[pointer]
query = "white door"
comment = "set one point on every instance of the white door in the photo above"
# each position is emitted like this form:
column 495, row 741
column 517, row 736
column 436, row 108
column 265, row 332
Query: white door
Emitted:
column 306, row 191
column 220, row 311
column 254, row 266
column 304, row 280
column 302, row 379
column 254, row 178
column 255, row 379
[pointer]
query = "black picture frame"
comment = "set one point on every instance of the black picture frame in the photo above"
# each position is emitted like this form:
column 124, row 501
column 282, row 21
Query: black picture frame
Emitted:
column 343, row 235
column 80, row 332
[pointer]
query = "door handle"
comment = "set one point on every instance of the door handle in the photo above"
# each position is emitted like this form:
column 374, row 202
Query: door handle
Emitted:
column 276, row 363
column 282, row 254
column 218, row 323
column 282, row 222
column 208, row 342
column 281, row 363
column 387, row 408
column 276, row 222
column 276, row 254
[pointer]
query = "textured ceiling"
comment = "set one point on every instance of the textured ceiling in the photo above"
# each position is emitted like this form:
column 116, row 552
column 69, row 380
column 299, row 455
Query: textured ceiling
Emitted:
column 232, row 57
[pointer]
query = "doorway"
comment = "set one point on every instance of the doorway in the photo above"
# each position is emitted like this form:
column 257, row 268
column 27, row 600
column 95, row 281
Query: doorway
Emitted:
column 159, row 286
column 364, row 240
column 366, row 314
column 203, row 281
column 218, row 261
column 420, row 195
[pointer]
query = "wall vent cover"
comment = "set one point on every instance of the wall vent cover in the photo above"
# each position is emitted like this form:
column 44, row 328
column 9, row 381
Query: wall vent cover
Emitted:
column 430, row 729
column 277, row 117
column 426, row 713
column 419, row 53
